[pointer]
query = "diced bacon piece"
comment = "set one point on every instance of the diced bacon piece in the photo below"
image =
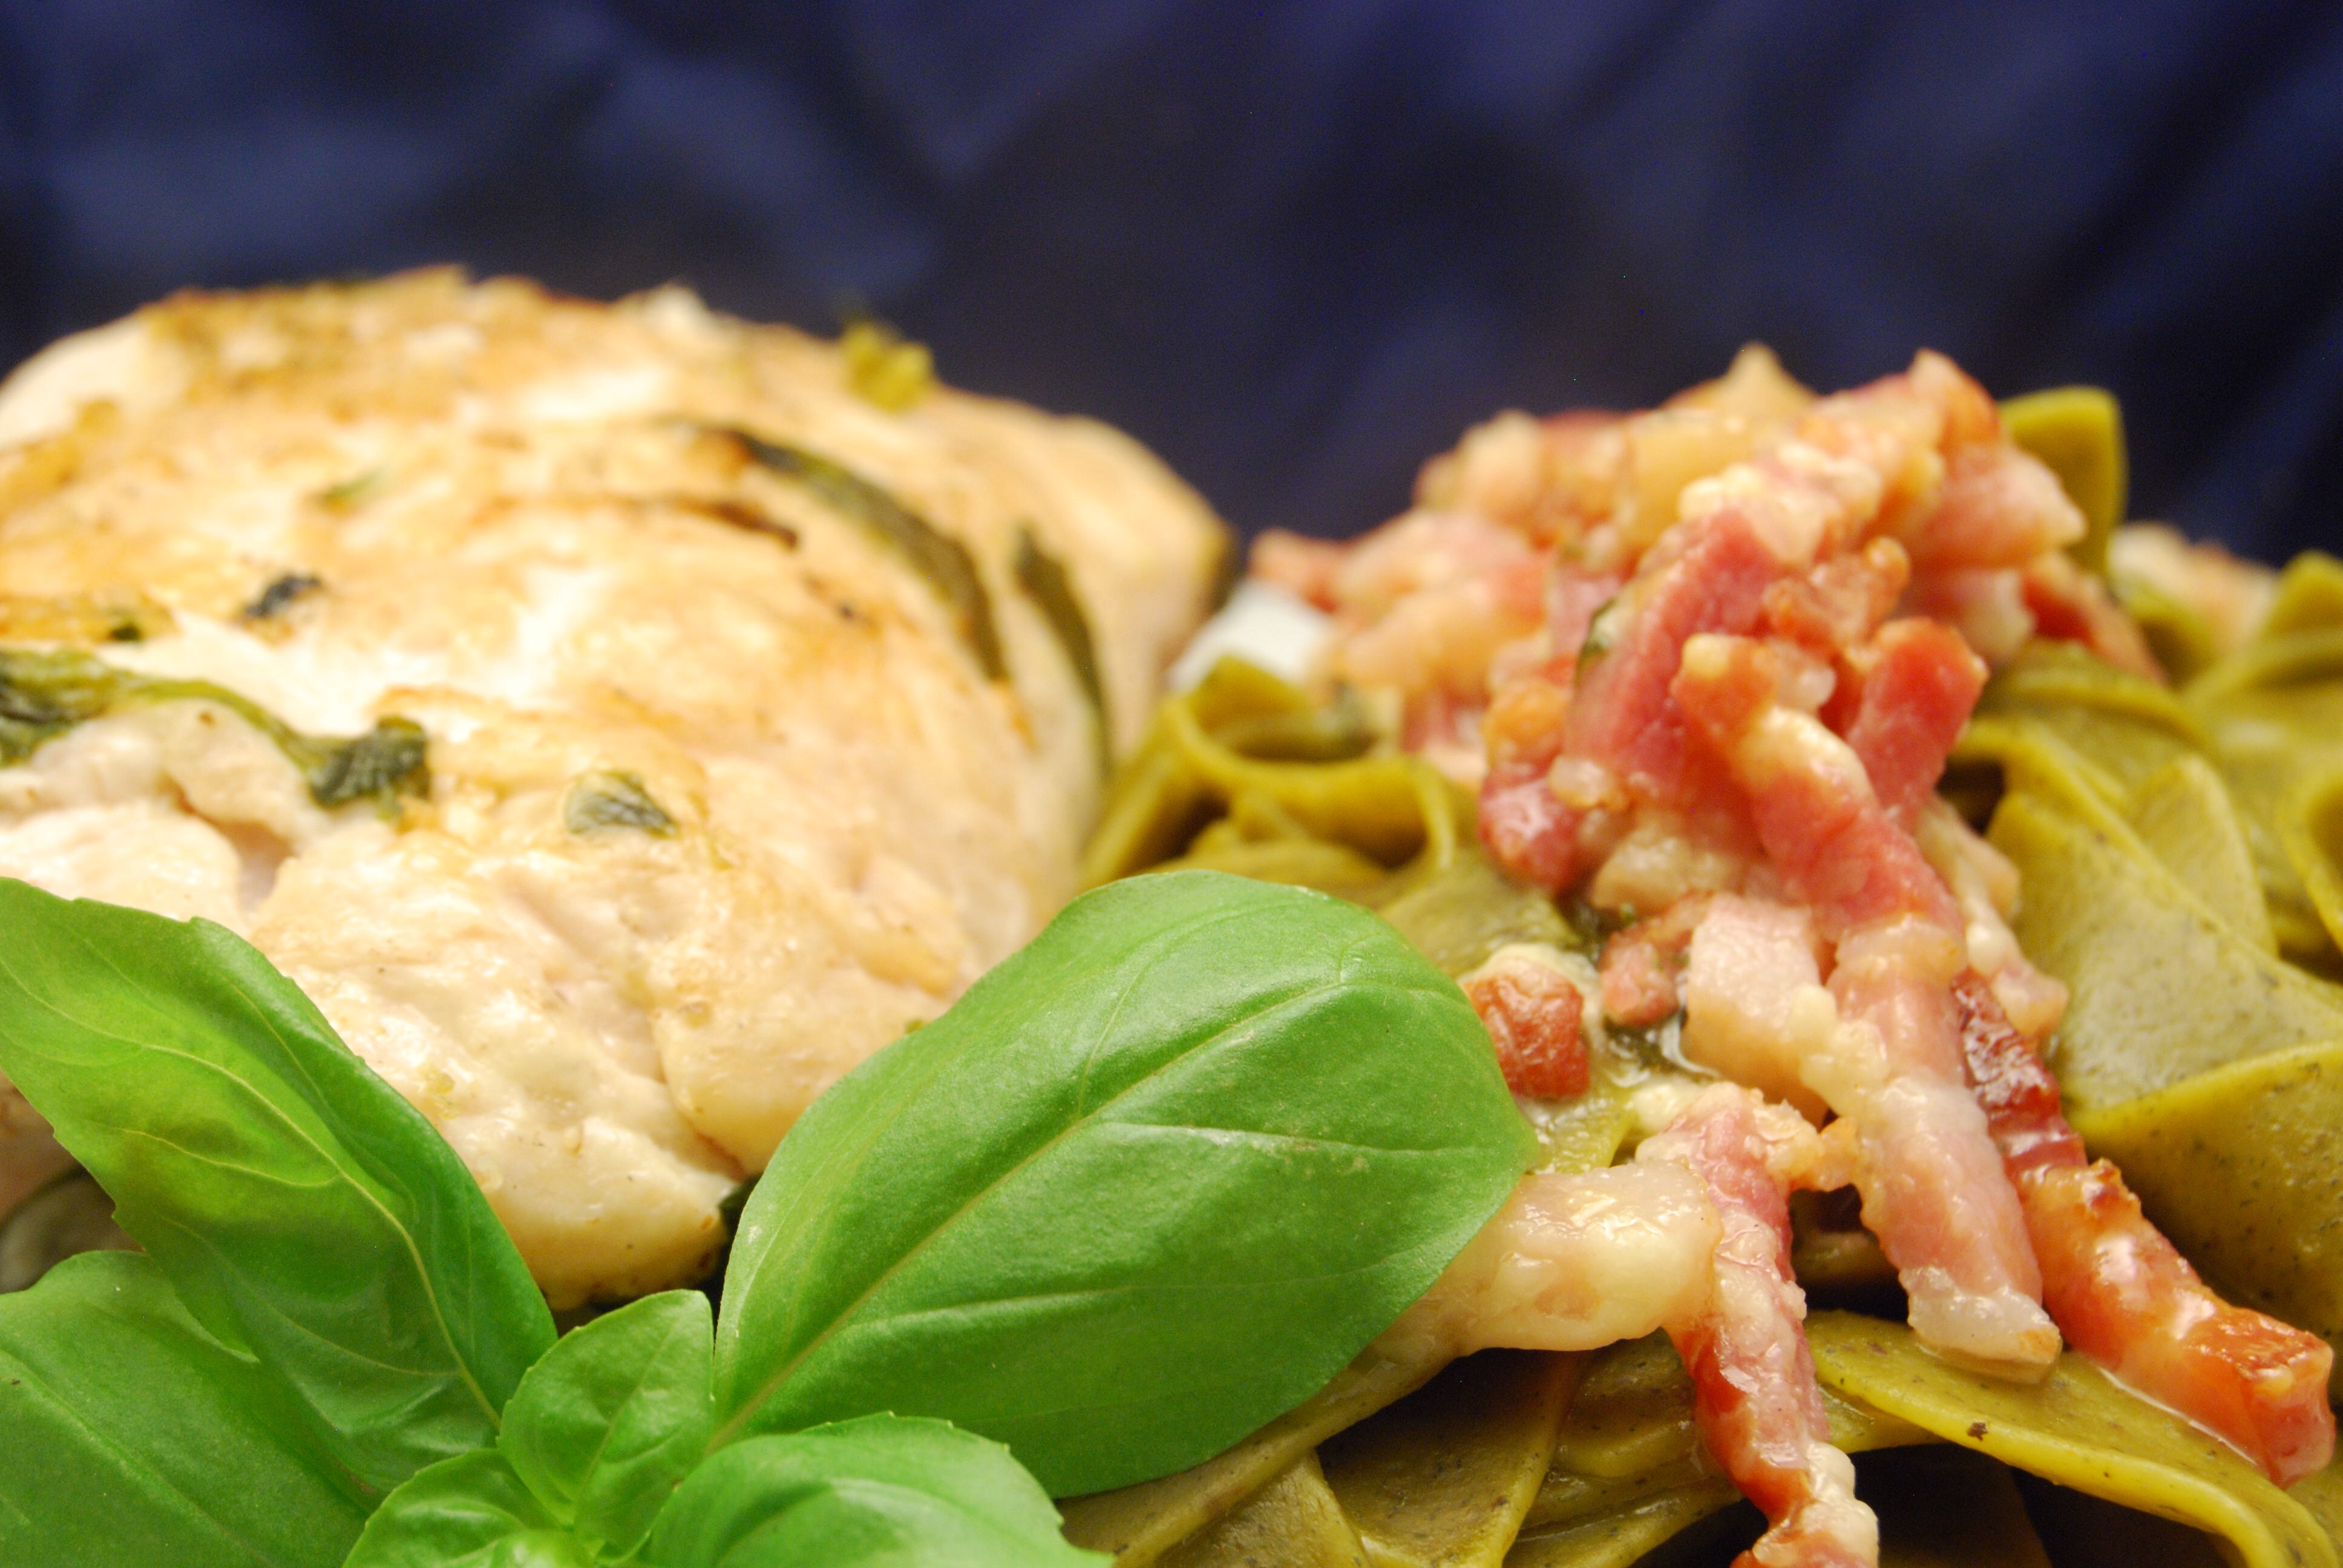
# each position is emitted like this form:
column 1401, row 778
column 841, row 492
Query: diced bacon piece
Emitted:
column 1750, row 968
column 1804, row 503
column 2000, row 507
column 2071, row 605
column 1546, row 479
column 1892, row 432
column 1419, row 551
column 1919, row 681
column 1536, row 1018
column 1528, row 832
column 1812, row 803
column 1665, row 858
column 1641, row 961
column 1301, row 565
column 1522, row 727
column 2122, row 1292
column 1621, row 715
column 1756, row 1396
column 1841, row 601
column 1423, row 606
column 1668, row 450
column 1575, row 1262
column 1638, row 990
column 1971, row 416
column 1987, row 608
column 1753, row 387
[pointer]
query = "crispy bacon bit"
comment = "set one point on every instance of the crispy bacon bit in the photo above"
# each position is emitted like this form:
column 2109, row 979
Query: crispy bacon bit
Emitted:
column 2121, row 1291
column 1536, row 1019
column 2131, row 1303
column 1755, row 1397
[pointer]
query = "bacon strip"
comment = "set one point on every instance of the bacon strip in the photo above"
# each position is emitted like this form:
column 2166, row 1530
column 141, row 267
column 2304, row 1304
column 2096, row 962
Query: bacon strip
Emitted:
column 2121, row 1291
column 1933, row 1186
column 1755, row 1397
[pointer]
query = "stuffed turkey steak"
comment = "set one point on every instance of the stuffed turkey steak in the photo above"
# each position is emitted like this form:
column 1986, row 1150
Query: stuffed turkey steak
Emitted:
column 619, row 720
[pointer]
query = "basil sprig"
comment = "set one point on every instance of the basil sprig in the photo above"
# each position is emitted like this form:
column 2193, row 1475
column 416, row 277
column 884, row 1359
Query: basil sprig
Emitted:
column 1148, row 1185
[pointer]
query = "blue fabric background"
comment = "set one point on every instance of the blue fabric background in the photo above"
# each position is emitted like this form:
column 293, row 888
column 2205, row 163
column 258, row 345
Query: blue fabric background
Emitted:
column 1297, row 248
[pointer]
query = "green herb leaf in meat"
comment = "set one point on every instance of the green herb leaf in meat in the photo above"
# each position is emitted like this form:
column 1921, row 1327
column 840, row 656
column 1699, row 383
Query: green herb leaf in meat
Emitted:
column 303, row 1212
column 881, row 1490
column 1153, row 1181
column 942, row 562
column 1045, row 578
column 130, row 1436
column 617, row 1414
column 469, row 1512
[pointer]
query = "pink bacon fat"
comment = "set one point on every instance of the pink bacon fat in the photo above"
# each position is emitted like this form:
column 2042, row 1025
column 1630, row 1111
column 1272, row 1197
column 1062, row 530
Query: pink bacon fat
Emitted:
column 2122, row 1292
column 1755, row 1397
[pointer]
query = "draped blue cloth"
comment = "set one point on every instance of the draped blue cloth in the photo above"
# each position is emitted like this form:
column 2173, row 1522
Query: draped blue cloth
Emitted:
column 1297, row 248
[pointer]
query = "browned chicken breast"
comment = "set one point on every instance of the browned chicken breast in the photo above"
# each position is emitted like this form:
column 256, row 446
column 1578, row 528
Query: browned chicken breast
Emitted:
column 619, row 723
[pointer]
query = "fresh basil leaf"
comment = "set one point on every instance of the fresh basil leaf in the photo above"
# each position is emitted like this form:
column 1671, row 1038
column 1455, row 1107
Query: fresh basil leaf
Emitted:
column 302, row 1209
column 129, row 1436
column 468, row 1512
column 1153, row 1181
column 881, row 1490
column 614, row 1416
